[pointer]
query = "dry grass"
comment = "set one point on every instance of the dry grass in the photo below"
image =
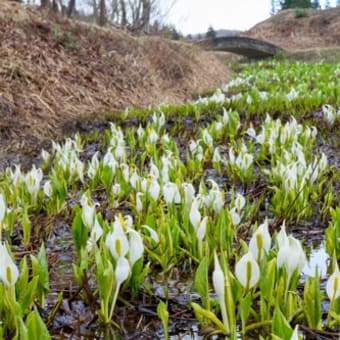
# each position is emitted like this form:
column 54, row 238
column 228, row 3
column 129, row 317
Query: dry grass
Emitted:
column 318, row 29
column 312, row 55
column 53, row 71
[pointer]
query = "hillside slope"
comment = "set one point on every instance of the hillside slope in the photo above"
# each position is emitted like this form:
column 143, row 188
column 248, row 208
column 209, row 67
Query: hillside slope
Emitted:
column 53, row 70
column 318, row 29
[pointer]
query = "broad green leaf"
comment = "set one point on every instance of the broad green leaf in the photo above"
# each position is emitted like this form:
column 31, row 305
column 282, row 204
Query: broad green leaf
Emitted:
column 267, row 281
column 43, row 274
column 231, row 291
column 105, row 275
column 40, row 269
column 202, row 282
column 26, row 226
column 245, row 306
column 312, row 302
column 22, row 282
column 29, row 294
column 280, row 325
column 79, row 232
column 23, row 332
column 107, row 176
column 59, row 185
column 36, row 329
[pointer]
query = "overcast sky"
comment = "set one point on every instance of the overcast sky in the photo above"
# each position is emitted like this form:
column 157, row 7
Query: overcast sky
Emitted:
column 195, row 16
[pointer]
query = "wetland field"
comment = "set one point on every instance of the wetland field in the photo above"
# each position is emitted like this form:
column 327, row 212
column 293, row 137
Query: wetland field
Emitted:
column 215, row 219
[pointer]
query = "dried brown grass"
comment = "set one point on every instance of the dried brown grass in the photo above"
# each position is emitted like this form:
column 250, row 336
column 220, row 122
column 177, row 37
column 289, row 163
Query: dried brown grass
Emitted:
column 318, row 29
column 53, row 71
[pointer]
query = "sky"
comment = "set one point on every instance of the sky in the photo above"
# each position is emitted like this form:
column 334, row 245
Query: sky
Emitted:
column 195, row 16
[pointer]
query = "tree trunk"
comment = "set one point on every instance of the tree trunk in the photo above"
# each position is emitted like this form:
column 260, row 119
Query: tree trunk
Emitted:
column 55, row 6
column 123, row 21
column 95, row 10
column 71, row 8
column 44, row 3
column 114, row 11
column 146, row 16
column 102, row 15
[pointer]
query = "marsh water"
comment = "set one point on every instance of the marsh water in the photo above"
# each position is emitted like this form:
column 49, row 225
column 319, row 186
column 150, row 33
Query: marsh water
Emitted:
column 138, row 319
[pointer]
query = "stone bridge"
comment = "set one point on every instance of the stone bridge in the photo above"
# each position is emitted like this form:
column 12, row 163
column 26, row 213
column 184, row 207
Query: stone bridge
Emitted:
column 249, row 47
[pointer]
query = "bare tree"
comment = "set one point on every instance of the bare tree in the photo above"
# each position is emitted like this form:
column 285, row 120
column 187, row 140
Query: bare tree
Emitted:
column 112, row 10
column 95, row 10
column 124, row 20
column 146, row 14
column 139, row 14
column 274, row 7
column 71, row 7
column 102, row 14
column 55, row 6
column 45, row 3
column 160, row 9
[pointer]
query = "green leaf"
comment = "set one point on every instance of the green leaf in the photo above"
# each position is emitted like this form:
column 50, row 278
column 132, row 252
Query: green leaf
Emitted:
column 162, row 311
column 59, row 185
column 29, row 294
column 137, row 275
column 23, row 332
column 312, row 302
column 22, row 282
column 231, row 292
column 26, row 226
column 202, row 282
column 267, row 282
column 245, row 306
column 36, row 329
column 275, row 337
column 105, row 275
column 107, row 176
column 40, row 269
column 209, row 315
column 43, row 275
column 280, row 287
column 280, row 325
column 79, row 232
column 82, row 267
column 2, row 301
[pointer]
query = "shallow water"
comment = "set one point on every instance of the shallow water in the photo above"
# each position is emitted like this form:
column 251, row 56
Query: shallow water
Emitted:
column 318, row 259
column 75, row 317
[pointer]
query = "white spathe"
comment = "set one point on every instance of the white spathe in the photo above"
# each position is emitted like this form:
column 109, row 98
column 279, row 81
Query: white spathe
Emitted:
column 122, row 270
column 247, row 271
column 117, row 242
column 291, row 256
column 152, row 232
column 240, row 202
column 333, row 284
column 136, row 246
column 218, row 279
column 260, row 242
column 33, row 179
column 9, row 272
column 171, row 193
column 88, row 212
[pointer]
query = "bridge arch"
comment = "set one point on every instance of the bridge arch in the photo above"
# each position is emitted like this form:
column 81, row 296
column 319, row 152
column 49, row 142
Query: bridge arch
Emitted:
column 249, row 47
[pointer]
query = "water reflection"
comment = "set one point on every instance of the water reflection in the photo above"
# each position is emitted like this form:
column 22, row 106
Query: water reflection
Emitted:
column 318, row 257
